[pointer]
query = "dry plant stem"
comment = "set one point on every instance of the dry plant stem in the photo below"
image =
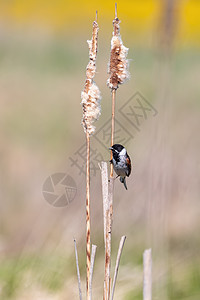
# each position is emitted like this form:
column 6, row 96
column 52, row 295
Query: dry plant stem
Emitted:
column 121, row 245
column 115, row 10
column 78, row 272
column 109, row 214
column 90, row 100
column 110, row 208
column 104, row 179
column 118, row 74
column 147, row 280
column 88, row 245
column 107, row 227
column 107, row 252
column 94, row 248
column 112, row 127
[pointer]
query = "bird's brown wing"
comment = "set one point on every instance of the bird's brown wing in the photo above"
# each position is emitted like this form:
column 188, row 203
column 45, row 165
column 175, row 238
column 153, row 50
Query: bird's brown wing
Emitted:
column 128, row 160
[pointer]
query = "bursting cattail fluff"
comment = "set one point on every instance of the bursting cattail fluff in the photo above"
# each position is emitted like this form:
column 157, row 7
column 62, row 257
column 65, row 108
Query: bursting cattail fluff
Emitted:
column 91, row 95
column 118, row 65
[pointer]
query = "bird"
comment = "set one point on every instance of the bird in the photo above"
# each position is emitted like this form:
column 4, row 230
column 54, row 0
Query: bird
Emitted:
column 121, row 162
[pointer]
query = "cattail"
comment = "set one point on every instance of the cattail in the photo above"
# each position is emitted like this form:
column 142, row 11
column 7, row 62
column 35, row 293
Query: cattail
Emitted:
column 118, row 71
column 91, row 112
column 118, row 65
column 91, row 95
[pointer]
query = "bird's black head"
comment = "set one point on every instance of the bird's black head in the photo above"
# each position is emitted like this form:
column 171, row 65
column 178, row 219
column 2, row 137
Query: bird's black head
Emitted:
column 117, row 148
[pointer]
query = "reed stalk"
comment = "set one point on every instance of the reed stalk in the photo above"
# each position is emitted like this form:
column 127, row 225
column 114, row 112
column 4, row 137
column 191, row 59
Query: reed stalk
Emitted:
column 118, row 71
column 88, row 242
column 78, row 271
column 121, row 245
column 112, row 127
column 107, row 228
column 147, row 275
column 94, row 248
column 91, row 112
column 104, row 179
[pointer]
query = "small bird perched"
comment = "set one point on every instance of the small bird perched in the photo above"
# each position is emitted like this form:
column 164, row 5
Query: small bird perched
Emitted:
column 121, row 162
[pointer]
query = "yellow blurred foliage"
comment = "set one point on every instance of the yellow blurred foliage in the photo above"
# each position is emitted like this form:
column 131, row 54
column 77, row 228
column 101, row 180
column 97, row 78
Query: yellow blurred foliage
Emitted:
column 142, row 14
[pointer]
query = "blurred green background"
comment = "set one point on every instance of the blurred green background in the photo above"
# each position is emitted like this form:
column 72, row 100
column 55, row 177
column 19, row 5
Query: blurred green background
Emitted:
column 43, row 57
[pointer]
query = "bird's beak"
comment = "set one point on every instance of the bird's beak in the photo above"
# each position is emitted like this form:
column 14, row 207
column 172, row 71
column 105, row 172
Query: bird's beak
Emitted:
column 110, row 148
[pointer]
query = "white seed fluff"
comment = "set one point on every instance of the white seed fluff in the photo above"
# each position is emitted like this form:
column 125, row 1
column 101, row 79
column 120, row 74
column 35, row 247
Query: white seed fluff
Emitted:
column 91, row 97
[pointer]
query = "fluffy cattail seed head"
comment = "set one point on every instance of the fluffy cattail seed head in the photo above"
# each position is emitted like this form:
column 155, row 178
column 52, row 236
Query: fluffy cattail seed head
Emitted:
column 118, row 65
column 91, row 95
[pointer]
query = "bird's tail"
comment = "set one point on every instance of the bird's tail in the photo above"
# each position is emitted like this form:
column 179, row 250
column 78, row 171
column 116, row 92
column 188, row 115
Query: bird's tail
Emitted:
column 123, row 180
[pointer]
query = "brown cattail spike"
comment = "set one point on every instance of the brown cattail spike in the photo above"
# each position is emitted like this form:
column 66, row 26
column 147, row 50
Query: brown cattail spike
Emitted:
column 91, row 95
column 118, row 65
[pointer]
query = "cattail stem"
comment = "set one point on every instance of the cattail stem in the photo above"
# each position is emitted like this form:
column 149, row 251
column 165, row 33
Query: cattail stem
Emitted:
column 112, row 127
column 121, row 245
column 78, row 271
column 108, row 211
column 115, row 10
column 94, row 248
column 91, row 111
column 147, row 280
column 118, row 74
column 104, row 179
column 107, row 186
column 88, row 243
